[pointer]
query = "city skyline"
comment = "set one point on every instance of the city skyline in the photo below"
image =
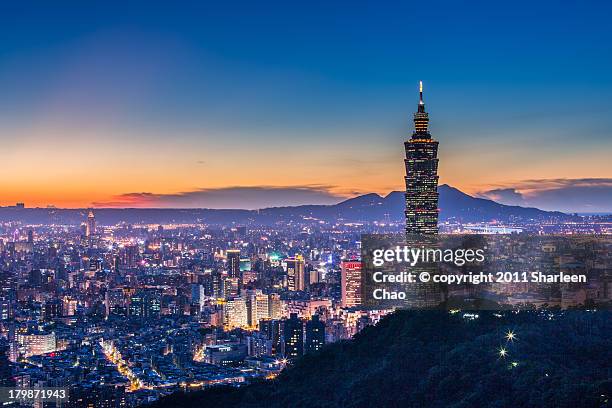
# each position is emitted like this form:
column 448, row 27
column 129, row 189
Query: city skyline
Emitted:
column 246, row 204
column 201, row 107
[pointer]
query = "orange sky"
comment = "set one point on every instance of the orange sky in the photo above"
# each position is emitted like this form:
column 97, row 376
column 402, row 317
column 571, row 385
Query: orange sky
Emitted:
column 75, row 167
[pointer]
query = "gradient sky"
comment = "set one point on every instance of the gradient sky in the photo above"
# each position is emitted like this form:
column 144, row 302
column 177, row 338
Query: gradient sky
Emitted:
column 250, row 104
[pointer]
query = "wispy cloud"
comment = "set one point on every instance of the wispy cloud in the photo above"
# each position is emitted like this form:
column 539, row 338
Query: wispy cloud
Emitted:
column 563, row 194
column 238, row 197
column 508, row 196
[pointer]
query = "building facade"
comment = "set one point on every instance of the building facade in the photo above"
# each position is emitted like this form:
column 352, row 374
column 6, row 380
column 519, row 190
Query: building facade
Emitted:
column 350, row 281
column 295, row 273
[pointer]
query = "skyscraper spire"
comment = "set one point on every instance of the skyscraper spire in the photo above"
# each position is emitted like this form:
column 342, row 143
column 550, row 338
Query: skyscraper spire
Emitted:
column 421, row 118
column 421, row 93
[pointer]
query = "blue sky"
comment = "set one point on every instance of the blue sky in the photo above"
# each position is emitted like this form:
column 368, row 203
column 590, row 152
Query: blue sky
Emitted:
column 169, row 98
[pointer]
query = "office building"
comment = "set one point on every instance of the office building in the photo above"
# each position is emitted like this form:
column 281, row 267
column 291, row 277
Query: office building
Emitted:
column 295, row 273
column 350, row 283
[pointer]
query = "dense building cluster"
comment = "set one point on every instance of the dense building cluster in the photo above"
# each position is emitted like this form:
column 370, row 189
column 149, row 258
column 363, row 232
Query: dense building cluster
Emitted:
column 125, row 314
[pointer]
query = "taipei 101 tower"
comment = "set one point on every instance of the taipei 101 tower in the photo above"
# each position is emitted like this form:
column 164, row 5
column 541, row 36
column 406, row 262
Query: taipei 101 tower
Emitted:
column 422, row 205
column 421, row 176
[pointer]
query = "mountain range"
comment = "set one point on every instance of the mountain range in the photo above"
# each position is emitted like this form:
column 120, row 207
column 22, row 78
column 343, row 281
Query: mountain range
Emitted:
column 454, row 205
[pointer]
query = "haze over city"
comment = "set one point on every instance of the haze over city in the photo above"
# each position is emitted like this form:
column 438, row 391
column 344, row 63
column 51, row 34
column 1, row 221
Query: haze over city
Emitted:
column 200, row 106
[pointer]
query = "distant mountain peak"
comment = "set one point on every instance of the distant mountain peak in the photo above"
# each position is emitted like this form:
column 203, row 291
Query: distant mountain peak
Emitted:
column 365, row 199
column 454, row 205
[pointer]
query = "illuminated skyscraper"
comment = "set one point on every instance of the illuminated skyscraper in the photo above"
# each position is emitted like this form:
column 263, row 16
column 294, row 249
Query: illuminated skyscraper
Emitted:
column 145, row 304
column 350, row 283
column 422, row 203
column 421, row 176
column 235, row 311
column 233, row 263
column 295, row 273
column 90, row 225
column 257, row 307
column 275, row 306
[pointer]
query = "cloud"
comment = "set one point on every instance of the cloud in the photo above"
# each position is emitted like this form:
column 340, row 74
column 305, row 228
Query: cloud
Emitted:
column 228, row 197
column 569, row 195
column 509, row 196
column 551, row 184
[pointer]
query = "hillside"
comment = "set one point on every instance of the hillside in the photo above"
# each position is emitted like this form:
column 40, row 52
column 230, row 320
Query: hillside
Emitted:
column 435, row 359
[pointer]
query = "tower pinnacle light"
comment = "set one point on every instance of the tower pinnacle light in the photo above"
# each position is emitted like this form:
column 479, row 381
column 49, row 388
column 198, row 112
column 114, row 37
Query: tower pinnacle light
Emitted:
column 421, row 92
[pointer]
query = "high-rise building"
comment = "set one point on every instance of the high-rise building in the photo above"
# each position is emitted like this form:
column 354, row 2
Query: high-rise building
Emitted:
column 293, row 337
column 275, row 306
column 197, row 294
column 421, row 176
column 216, row 285
column 295, row 273
column 350, row 283
column 233, row 263
column 315, row 334
column 235, row 311
column 90, row 224
column 257, row 307
column 422, row 203
column 145, row 304
column 115, row 302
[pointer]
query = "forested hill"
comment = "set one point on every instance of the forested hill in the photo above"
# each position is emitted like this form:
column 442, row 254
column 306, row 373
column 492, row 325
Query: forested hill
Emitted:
column 438, row 359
